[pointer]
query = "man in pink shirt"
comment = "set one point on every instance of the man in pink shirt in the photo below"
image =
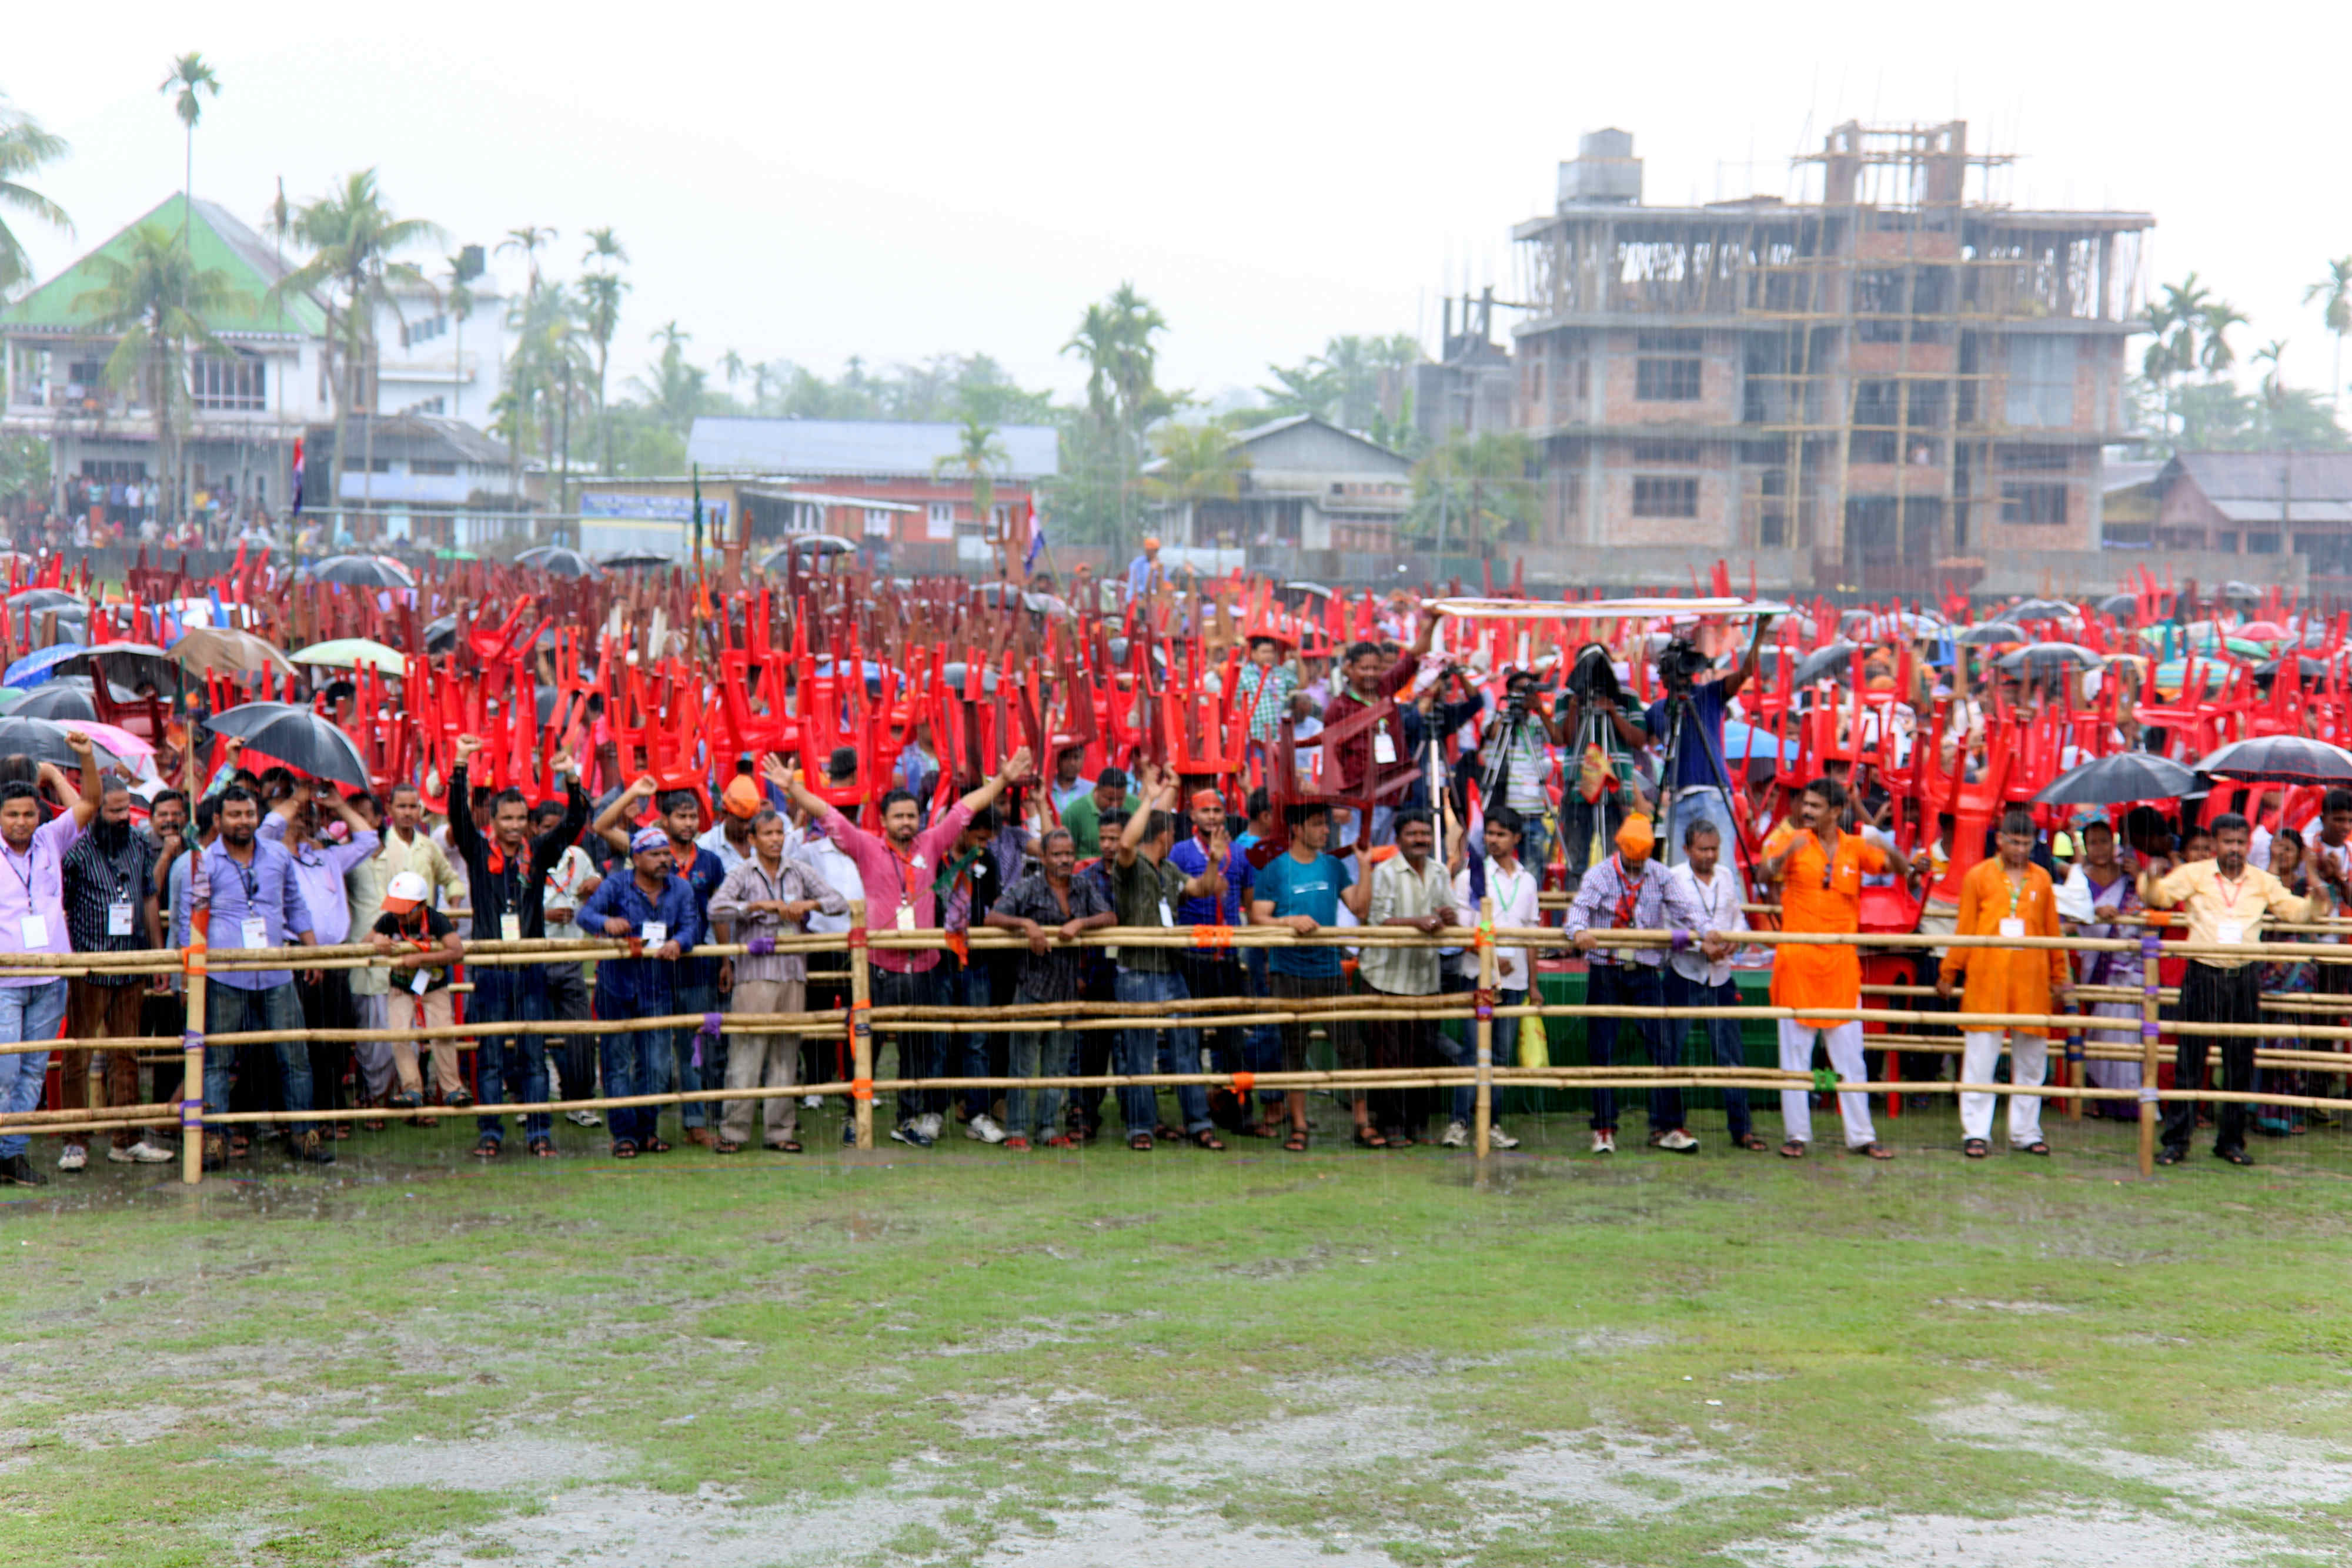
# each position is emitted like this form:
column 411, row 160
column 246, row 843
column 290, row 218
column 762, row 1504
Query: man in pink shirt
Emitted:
column 33, row 920
column 901, row 869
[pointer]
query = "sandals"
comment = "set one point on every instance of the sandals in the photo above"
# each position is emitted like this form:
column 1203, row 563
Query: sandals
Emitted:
column 2036, row 1147
column 2234, row 1156
column 654, row 1145
column 1206, row 1138
column 459, row 1101
column 624, row 1151
column 1297, row 1141
column 373, row 1124
column 542, row 1148
column 1872, row 1151
column 2170, row 1156
column 1165, row 1134
column 1977, row 1148
column 1753, row 1143
column 792, row 1146
column 1367, row 1139
column 725, row 1146
column 1262, row 1130
column 1794, row 1149
column 489, row 1148
column 1140, row 1141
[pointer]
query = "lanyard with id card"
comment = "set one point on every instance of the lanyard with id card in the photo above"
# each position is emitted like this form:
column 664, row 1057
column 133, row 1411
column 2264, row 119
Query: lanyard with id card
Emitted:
column 1383, row 746
column 33, row 926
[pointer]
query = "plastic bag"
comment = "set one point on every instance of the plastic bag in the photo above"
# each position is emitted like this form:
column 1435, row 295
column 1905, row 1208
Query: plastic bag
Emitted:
column 1535, row 1046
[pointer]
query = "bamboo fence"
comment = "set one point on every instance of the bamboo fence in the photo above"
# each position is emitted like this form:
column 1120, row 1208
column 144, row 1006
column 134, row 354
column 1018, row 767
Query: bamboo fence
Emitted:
column 860, row 1019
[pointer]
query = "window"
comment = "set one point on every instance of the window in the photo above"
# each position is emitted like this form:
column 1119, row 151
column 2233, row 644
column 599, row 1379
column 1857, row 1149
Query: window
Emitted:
column 877, row 524
column 1663, row 452
column 1662, row 341
column 1878, row 292
column 805, row 517
column 2032, row 503
column 1773, row 532
column 1876, row 402
column 2261, row 543
column 414, row 332
column 1656, row 497
column 88, row 374
column 2035, row 459
column 114, row 471
column 227, row 384
column 1666, row 381
column 1872, row 446
column 939, row 522
column 2041, row 382
column 432, row 467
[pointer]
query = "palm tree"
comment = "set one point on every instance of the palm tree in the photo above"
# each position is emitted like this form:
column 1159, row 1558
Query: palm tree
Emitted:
column 676, row 392
column 529, row 240
column 24, row 147
column 1122, row 365
column 2336, row 288
column 2217, row 320
column 599, row 316
column 1480, row 479
column 192, row 78
column 604, row 246
column 1197, row 463
column 977, row 451
column 353, row 235
column 154, row 304
column 548, row 357
column 458, row 296
column 730, row 365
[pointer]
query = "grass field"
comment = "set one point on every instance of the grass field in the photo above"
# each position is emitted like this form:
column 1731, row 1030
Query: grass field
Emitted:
column 964, row 1356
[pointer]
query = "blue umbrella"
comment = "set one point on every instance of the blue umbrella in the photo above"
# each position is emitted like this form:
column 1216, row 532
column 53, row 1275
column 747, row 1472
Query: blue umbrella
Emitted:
column 35, row 667
column 1751, row 743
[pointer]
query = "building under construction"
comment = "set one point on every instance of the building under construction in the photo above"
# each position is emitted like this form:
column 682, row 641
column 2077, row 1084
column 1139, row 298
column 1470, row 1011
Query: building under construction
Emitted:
column 1897, row 382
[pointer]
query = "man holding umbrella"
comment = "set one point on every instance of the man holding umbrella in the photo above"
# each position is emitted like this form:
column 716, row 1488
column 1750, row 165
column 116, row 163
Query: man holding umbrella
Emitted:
column 33, row 920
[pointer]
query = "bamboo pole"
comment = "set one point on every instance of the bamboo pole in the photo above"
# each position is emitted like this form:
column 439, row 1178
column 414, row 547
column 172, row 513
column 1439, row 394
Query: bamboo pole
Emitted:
column 1482, row 1130
column 191, row 1049
column 2148, row 1031
column 861, row 1027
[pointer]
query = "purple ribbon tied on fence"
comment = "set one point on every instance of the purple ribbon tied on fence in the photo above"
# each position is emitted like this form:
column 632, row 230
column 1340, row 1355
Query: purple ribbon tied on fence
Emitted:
column 191, row 1106
column 760, row 946
column 710, row 1032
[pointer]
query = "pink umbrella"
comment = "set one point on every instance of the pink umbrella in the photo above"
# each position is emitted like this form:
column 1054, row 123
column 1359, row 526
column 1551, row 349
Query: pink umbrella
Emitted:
column 118, row 740
column 2262, row 631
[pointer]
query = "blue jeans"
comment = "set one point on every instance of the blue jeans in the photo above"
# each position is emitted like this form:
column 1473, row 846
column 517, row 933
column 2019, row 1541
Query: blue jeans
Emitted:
column 1627, row 986
column 29, row 1013
column 1464, row 1052
column 229, row 1010
column 1035, row 1113
column 966, row 985
column 1261, row 1043
column 919, row 1052
column 628, row 1062
column 681, row 1069
column 1143, row 1051
column 1722, row 1034
column 511, row 1064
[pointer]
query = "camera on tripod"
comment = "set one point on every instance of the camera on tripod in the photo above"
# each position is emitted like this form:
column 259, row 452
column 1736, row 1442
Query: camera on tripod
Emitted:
column 1680, row 665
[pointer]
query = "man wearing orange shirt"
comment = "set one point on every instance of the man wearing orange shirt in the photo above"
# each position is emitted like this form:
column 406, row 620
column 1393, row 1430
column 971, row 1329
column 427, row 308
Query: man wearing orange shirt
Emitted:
column 2008, row 895
column 1819, row 868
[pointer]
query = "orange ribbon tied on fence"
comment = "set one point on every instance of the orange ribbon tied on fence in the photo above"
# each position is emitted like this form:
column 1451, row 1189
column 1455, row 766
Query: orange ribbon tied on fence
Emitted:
column 1484, row 935
column 861, row 1089
column 1217, row 938
column 1243, row 1082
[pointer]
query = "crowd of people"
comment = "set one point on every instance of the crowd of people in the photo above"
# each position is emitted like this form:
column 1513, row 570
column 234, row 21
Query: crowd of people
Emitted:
column 1487, row 785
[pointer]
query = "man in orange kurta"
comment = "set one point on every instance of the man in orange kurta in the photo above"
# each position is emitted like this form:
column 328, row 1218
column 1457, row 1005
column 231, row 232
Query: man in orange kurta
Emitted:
column 2008, row 895
column 1819, row 868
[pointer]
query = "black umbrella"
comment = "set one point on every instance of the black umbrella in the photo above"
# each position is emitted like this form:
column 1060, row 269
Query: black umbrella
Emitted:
column 1989, row 632
column 558, row 561
column 441, row 635
column 1834, row 663
column 2126, row 605
column 2233, row 589
column 44, row 740
column 362, row 571
column 954, row 675
column 2123, row 776
column 41, row 599
column 129, row 663
column 634, row 560
column 58, row 702
column 298, row 738
column 2045, row 658
column 2042, row 610
column 2311, row 672
column 2280, row 759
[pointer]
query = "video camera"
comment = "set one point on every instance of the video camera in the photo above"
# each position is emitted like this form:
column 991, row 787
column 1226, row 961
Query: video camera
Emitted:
column 1594, row 675
column 1681, row 664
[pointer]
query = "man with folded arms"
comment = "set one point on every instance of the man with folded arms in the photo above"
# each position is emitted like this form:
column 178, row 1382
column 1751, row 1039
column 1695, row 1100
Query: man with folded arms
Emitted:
column 2007, row 895
column 2226, row 901
column 1631, row 891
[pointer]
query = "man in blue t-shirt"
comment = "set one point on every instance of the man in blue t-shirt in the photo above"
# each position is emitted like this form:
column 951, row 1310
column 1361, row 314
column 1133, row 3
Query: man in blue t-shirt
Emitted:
column 1214, row 971
column 1700, row 787
column 1302, row 889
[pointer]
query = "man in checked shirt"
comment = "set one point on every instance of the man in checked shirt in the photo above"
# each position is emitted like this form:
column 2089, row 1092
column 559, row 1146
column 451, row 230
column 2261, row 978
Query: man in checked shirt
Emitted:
column 1631, row 892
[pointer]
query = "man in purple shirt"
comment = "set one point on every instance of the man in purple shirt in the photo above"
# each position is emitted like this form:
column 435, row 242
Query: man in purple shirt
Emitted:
column 898, row 869
column 319, row 867
column 33, row 920
column 252, row 899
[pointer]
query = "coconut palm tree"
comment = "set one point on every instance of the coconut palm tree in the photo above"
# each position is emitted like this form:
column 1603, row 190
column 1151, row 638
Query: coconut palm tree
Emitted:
column 675, row 393
column 528, row 241
column 192, row 79
column 24, row 147
column 153, row 302
column 2217, row 318
column 353, row 235
column 457, row 295
column 977, row 452
column 599, row 316
column 1123, row 394
column 1196, row 462
column 2336, row 289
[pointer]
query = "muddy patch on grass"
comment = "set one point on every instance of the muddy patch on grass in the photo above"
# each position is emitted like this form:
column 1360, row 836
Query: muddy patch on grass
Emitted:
column 2109, row 1537
column 506, row 1464
column 1628, row 1480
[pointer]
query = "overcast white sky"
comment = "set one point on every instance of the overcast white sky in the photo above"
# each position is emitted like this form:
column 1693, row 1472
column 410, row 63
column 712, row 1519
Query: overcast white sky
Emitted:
column 811, row 182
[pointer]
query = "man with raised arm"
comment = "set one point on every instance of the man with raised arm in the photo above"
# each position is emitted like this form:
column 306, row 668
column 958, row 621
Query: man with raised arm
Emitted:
column 896, row 868
column 33, row 920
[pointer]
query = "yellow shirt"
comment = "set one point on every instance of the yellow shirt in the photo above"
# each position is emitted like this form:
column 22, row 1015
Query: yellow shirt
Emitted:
column 2212, row 902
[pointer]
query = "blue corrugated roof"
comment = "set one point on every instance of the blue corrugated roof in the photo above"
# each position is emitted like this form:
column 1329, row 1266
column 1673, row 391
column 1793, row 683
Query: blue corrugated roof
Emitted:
column 857, row 447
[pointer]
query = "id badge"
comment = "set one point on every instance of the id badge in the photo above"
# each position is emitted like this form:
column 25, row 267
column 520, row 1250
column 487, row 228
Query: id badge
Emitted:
column 656, row 933
column 2012, row 927
column 118, row 920
column 905, row 918
column 36, row 929
column 509, row 928
column 253, row 933
column 2229, row 931
column 1166, row 917
column 421, row 982
column 1383, row 747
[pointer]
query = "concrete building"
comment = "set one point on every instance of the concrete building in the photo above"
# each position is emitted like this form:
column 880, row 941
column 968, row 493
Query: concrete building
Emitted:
column 1311, row 495
column 244, row 408
column 1890, row 383
column 1472, row 386
column 438, row 482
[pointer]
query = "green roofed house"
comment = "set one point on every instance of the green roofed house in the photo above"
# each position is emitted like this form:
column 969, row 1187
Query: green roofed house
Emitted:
column 245, row 408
